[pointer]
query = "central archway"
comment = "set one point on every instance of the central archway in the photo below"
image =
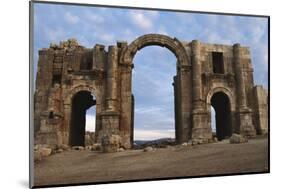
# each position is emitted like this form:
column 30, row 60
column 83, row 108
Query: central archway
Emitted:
column 152, row 76
column 182, row 84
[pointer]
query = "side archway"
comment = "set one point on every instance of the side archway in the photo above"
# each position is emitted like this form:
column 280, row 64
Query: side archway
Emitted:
column 221, row 100
column 76, row 103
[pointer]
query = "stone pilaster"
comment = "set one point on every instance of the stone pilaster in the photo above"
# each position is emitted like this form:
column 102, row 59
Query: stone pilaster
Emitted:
column 201, row 132
column 244, row 113
column 110, row 136
column 183, row 106
column 126, row 104
column 196, row 75
column 66, row 124
column 110, row 117
column 111, row 78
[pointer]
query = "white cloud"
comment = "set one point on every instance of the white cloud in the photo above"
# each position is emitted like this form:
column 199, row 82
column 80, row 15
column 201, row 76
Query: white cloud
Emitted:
column 148, row 110
column 143, row 20
column 71, row 19
column 140, row 134
column 94, row 18
column 107, row 38
column 54, row 34
column 90, row 122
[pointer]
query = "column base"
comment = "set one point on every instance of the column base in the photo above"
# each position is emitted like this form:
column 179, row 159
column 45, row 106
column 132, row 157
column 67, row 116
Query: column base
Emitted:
column 201, row 132
column 47, row 138
column 109, row 136
column 48, row 133
column 246, row 124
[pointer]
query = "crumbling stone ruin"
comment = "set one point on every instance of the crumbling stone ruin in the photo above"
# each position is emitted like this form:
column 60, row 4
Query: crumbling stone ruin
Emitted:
column 70, row 75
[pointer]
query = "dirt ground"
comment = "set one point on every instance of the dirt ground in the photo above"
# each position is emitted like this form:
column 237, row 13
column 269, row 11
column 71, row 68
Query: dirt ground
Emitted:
column 84, row 166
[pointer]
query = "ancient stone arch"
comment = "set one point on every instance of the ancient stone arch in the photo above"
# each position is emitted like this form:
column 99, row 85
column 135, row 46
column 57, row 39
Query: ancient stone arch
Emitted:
column 76, row 89
column 202, row 71
column 173, row 45
column 224, row 90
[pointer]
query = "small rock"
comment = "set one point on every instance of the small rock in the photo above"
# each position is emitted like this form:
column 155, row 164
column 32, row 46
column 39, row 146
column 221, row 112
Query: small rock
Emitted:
column 78, row 148
column 184, row 144
column 64, row 147
column 148, row 149
column 96, row 147
column 59, row 150
column 37, row 156
column 170, row 147
column 88, row 147
column 236, row 139
column 198, row 141
column 215, row 139
column 38, row 146
column 120, row 150
column 45, row 151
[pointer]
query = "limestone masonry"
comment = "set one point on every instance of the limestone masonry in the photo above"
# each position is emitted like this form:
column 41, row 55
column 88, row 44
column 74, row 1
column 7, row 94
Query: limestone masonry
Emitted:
column 70, row 75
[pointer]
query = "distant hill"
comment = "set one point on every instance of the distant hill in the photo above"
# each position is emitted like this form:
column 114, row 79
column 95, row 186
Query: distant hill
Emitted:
column 154, row 143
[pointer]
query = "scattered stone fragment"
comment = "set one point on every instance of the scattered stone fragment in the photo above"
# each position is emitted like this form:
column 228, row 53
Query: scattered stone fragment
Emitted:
column 184, row 144
column 170, row 147
column 64, row 147
column 37, row 156
column 187, row 144
column 45, row 151
column 78, row 148
column 148, row 149
column 120, row 150
column 236, row 139
column 96, row 147
column 88, row 147
column 59, row 150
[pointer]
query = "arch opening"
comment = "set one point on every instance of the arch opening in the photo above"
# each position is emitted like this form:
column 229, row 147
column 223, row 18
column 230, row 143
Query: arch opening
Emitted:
column 81, row 102
column 173, row 44
column 153, row 93
column 221, row 104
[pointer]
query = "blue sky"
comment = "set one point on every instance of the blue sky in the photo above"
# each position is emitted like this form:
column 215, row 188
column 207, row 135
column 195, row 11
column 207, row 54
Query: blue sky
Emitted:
column 154, row 66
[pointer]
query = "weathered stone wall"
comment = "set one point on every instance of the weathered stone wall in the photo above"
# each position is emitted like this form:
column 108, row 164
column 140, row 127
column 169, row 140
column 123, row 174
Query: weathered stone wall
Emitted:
column 68, row 68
